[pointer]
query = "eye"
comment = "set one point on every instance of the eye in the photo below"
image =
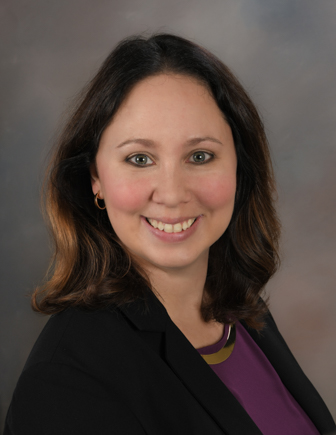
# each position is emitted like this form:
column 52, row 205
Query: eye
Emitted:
column 201, row 157
column 140, row 160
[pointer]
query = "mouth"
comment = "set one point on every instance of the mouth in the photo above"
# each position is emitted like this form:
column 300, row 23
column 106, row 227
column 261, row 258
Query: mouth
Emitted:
column 171, row 228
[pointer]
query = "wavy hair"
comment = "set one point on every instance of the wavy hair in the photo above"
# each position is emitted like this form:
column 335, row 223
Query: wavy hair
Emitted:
column 91, row 267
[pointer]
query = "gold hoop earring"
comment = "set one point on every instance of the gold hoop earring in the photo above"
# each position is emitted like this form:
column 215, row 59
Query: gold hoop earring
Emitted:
column 96, row 197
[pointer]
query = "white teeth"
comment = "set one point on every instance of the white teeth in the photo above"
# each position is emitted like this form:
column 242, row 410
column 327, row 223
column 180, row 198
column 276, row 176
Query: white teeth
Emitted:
column 160, row 226
column 169, row 228
column 154, row 223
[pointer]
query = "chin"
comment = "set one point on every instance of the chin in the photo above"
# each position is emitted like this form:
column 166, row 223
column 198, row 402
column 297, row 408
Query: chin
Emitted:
column 170, row 261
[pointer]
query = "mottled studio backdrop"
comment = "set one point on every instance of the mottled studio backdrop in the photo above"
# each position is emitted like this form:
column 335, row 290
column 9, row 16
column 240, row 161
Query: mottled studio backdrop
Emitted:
column 284, row 51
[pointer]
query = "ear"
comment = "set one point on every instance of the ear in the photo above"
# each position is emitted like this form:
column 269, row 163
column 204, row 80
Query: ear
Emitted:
column 95, row 182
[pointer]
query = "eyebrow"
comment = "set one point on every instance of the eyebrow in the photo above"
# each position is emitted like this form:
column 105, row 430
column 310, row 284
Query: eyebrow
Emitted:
column 150, row 143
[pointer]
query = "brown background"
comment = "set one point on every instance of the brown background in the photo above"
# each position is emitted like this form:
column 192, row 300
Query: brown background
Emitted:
column 284, row 53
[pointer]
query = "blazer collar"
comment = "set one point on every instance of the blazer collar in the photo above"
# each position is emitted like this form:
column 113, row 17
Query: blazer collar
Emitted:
column 147, row 314
column 190, row 368
column 150, row 315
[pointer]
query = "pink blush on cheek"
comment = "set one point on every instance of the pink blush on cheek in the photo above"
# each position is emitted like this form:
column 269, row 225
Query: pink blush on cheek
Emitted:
column 127, row 195
column 217, row 192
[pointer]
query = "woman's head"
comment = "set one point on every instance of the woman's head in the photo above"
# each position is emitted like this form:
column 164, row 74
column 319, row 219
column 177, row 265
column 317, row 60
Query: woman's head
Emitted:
column 167, row 157
column 91, row 261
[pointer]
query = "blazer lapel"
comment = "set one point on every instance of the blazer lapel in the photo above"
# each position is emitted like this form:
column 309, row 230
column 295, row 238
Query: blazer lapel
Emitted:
column 205, row 386
column 279, row 355
column 191, row 369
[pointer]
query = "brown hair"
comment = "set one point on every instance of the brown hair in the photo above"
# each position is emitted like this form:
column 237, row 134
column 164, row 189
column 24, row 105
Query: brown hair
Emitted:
column 91, row 267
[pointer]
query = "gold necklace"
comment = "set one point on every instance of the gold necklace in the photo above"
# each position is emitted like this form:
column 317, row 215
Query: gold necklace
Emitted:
column 224, row 353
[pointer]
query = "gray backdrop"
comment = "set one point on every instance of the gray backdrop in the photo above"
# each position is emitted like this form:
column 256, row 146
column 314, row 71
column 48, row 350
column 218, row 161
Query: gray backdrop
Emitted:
column 284, row 53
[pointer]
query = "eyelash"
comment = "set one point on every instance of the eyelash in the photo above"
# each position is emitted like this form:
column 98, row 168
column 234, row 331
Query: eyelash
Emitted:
column 129, row 159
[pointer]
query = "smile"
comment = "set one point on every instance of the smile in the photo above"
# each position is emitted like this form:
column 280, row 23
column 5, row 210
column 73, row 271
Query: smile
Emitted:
column 170, row 228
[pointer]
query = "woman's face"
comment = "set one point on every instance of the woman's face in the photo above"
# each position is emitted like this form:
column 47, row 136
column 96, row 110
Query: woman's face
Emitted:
column 166, row 169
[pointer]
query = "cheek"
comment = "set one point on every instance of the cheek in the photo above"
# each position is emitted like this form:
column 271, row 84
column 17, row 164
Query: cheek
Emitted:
column 218, row 192
column 126, row 196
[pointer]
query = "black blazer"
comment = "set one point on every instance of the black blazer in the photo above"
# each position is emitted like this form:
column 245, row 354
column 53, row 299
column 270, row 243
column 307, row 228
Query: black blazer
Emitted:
column 130, row 371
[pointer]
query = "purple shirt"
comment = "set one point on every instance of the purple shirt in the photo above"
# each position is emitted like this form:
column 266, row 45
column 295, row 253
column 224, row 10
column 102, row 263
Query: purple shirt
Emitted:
column 256, row 385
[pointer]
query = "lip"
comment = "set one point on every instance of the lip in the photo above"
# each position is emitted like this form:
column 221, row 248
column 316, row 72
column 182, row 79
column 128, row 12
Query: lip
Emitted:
column 173, row 237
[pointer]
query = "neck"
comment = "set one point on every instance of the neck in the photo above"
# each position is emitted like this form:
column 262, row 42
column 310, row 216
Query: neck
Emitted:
column 181, row 292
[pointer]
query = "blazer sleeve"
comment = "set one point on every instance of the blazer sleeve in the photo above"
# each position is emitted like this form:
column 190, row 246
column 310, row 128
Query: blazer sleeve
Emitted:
column 54, row 399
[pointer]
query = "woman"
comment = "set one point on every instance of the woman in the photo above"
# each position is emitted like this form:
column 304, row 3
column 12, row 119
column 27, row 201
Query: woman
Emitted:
column 160, row 201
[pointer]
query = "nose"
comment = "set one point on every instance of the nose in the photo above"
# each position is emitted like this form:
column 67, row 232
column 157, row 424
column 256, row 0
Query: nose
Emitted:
column 171, row 187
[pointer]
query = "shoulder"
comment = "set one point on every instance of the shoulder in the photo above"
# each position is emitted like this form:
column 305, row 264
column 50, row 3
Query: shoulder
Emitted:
column 77, row 330
column 70, row 372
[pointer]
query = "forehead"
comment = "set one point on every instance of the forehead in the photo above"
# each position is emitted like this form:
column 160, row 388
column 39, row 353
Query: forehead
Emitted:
column 167, row 89
column 168, row 104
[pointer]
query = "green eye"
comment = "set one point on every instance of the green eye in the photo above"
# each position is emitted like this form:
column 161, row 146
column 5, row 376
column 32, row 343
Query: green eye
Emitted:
column 140, row 160
column 201, row 157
